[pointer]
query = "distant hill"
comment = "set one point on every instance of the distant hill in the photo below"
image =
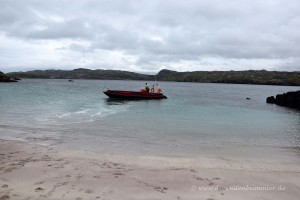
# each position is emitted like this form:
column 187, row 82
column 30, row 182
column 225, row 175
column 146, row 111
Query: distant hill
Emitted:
column 83, row 74
column 261, row 77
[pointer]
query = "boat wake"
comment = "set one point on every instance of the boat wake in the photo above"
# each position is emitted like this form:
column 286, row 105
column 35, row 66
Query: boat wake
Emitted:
column 81, row 115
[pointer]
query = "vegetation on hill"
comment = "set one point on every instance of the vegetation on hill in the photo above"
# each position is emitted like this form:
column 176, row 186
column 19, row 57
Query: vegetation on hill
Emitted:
column 83, row 74
column 262, row 77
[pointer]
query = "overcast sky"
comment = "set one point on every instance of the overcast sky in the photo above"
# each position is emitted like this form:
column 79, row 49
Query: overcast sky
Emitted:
column 149, row 35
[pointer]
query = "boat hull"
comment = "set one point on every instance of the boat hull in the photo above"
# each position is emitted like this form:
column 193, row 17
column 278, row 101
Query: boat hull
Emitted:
column 118, row 94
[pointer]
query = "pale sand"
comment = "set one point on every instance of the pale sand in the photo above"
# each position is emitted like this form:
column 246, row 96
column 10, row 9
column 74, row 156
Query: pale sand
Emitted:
column 39, row 172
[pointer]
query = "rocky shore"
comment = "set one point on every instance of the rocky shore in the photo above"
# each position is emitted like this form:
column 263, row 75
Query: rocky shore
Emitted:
column 4, row 78
column 289, row 99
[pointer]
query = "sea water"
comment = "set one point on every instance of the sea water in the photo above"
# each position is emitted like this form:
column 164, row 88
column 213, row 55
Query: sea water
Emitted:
column 197, row 119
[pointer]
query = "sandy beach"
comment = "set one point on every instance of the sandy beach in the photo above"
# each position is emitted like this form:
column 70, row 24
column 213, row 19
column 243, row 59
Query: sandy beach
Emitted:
column 41, row 172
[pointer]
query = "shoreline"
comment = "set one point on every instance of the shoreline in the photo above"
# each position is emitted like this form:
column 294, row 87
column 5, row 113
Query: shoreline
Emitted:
column 39, row 172
column 231, row 77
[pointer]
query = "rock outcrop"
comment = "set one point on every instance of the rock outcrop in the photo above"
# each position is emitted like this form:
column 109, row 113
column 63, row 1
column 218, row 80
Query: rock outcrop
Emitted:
column 4, row 78
column 289, row 99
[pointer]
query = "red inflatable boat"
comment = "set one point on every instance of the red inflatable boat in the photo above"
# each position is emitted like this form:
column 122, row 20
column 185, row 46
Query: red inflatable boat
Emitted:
column 134, row 95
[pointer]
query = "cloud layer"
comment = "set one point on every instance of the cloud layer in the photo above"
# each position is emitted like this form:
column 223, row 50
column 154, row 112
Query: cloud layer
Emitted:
column 145, row 36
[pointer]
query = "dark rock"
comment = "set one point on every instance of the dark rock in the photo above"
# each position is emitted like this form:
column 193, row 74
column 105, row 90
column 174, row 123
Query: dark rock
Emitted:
column 248, row 98
column 280, row 99
column 39, row 189
column 4, row 78
column 271, row 99
column 289, row 99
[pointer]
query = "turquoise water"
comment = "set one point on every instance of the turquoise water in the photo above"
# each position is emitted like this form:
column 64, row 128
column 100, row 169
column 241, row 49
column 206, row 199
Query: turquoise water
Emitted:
column 214, row 120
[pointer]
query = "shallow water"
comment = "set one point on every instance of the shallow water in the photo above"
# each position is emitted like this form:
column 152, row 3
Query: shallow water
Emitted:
column 211, row 120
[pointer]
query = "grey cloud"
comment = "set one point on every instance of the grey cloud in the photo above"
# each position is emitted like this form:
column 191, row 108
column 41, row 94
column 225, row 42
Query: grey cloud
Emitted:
column 110, row 38
column 69, row 29
column 160, row 31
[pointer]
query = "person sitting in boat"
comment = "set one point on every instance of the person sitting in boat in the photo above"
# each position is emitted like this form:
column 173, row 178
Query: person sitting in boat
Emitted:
column 159, row 90
column 152, row 89
column 147, row 88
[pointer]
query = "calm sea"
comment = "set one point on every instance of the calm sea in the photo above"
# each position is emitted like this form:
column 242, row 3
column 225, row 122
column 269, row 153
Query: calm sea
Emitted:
column 213, row 120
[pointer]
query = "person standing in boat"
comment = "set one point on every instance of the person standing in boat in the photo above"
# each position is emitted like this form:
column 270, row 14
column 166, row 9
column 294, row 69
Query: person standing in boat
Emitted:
column 147, row 88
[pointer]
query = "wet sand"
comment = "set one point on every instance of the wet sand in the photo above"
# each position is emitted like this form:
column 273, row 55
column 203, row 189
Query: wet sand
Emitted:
column 40, row 172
